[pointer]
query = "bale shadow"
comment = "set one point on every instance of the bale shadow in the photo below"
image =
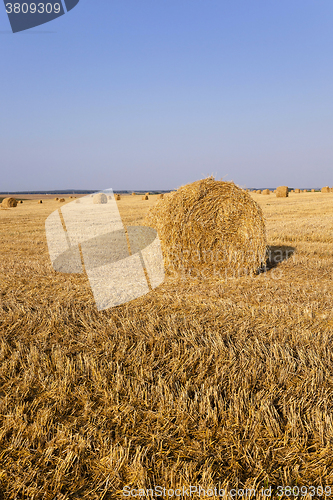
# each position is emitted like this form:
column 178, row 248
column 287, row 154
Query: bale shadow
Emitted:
column 275, row 255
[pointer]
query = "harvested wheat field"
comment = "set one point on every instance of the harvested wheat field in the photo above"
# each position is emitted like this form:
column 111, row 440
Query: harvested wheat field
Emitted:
column 203, row 381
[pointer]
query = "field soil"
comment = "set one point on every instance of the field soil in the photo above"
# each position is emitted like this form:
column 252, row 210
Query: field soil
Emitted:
column 222, row 383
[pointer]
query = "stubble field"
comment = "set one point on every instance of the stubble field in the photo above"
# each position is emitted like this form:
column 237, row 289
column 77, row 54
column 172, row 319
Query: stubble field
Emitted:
column 225, row 384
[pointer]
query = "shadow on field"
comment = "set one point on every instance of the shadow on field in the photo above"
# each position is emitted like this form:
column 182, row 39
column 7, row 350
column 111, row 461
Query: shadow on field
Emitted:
column 276, row 255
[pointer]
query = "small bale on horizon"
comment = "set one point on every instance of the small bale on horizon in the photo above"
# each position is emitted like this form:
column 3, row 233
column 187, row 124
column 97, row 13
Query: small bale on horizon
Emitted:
column 297, row 190
column 313, row 190
column 282, row 192
column 9, row 203
column 117, row 196
column 99, row 199
column 266, row 191
column 40, row 202
column 62, row 200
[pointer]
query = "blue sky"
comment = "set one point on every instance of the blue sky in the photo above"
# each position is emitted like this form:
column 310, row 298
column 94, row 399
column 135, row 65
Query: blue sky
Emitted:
column 152, row 94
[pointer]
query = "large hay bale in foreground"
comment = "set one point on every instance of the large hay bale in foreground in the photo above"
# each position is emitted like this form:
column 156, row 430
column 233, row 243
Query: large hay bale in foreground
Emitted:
column 266, row 191
column 9, row 203
column 100, row 198
column 282, row 192
column 210, row 227
column 325, row 189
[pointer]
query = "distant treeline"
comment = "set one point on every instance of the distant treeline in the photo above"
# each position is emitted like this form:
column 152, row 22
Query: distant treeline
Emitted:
column 80, row 191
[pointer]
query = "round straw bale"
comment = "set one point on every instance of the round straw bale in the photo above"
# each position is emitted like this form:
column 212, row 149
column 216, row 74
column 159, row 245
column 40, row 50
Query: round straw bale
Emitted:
column 282, row 192
column 266, row 191
column 40, row 201
column 133, row 194
column 297, row 190
column 100, row 198
column 145, row 197
column 313, row 190
column 20, row 201
column 160, row 196
column 9, row 203
column 61, row 200
column 147, row 194
column 117, row 196
column 258, row 191
column 210, row 227
column 325, row 189
column 56, row 199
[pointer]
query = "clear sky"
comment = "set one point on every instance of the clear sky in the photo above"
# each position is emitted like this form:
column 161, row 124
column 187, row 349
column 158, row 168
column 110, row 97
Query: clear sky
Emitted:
column 152, row 94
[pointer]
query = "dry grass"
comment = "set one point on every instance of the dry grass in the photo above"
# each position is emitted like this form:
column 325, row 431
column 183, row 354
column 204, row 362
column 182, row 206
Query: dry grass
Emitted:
column 199, row 382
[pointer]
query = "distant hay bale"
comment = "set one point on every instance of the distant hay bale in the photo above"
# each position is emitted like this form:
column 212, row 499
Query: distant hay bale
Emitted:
column 117, row 197
column 210, row 227
column 266, row 191
column 313, row 190
column 56, row 199
column 145, row 197
column 99, row 198
column 147, row 194
column 40, row 201
column 9, row 203
column 297, row 190
column 325, row 189
column 20, row 201
column 160, row 196
column 61, row 200
column 282, row 192
column 133, row 194
column 258, row 191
